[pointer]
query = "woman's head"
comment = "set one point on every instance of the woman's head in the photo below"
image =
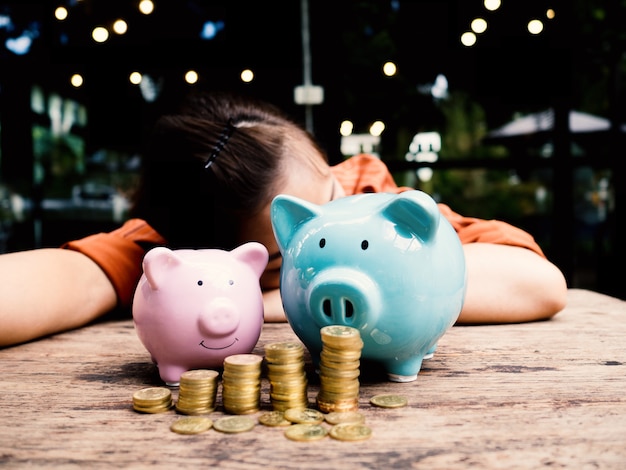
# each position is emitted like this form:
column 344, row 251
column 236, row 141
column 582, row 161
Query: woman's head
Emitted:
column 265, row 154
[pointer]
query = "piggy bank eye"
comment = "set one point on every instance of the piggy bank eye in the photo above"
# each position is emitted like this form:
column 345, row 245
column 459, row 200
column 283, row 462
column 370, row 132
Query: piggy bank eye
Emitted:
column 200, row 282
column 364, row 244
column 230, row 282
column 322, row 243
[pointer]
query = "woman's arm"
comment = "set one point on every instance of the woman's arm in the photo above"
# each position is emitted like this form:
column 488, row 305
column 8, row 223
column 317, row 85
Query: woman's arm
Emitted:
column 49, row 290
column 508, row 284
column 273, row 306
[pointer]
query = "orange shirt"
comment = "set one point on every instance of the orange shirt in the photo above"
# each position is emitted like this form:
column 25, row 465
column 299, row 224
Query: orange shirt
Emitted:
column 119, row 253
column 368, row 174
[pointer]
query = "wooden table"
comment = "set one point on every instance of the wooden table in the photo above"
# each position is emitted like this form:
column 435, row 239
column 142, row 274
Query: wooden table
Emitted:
column 549, row 394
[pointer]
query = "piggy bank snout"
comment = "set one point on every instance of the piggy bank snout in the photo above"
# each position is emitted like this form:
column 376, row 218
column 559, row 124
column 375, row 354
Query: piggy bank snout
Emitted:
column 221, row 317
column 344, row 297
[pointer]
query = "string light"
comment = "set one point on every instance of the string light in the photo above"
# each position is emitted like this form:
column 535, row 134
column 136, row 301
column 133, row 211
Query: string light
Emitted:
column 120, row 26
column 146, row 7
column 60, row 13
column 247, row 75
column 100, row 34
column 479, row 25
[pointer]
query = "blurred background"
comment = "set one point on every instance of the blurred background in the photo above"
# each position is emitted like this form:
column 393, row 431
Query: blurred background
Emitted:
column 507, row 109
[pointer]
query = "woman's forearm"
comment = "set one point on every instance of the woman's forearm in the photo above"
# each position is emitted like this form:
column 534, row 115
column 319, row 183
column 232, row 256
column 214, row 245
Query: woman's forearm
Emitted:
column 46, row 291
column 508, row 284
column 273, row 306
column 505, row 284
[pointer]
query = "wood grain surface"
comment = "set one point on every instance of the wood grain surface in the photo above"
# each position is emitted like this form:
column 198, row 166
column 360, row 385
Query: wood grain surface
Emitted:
column 538, row 395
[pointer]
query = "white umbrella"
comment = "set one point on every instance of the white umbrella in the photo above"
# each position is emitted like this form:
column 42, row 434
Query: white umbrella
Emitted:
column 543, row 121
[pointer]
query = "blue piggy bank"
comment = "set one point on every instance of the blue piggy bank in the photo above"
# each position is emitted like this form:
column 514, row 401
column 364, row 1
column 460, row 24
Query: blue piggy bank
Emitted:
column 389, row 265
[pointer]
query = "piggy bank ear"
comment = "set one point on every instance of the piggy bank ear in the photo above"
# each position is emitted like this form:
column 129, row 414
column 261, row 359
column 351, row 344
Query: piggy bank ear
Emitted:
column 253, row 254
column 287, row 213
column 415, row 212
column 156, row 264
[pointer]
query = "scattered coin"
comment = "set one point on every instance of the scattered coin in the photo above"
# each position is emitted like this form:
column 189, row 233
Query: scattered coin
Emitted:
column 304, row 416
column 191, row 425
column 234, row 424
column 305, row 432
column 336, row 417
column 388, row 401
column 274, row 418
column 350, row 432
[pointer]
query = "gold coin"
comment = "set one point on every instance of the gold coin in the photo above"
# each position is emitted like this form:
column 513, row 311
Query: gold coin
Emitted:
column 198, row 374
column 274, row 418
column 153, row 409
column 388, row 401
column 191, row 425
column 327, row 405
column 305, row 432
column 233, row 424
column 340, row 331
column 338, row 336
column 337, row 417
column 287, row 368
column 350, row 432
column 339, row 374
column 151, row 396
column 243, row 360
column 342, row 354
column 304, row 416
column 287, row 348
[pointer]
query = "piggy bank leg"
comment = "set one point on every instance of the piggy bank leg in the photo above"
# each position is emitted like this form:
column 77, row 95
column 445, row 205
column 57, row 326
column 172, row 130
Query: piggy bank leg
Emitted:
column 405, row 371
column 315, row 360
column 170, row 374
column 431, row 352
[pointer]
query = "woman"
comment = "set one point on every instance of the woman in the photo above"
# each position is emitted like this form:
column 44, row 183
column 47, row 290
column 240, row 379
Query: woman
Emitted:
column 209, row 175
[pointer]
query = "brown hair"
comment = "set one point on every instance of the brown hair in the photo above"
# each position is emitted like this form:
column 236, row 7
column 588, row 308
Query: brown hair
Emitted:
column 196, row 207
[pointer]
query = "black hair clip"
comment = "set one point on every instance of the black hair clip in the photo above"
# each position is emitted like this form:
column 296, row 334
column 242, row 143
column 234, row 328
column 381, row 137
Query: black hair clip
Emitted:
column 220, row 144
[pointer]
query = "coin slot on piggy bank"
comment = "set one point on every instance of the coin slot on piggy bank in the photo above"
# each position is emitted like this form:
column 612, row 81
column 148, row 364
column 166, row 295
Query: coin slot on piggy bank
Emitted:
column 389, row 265
column 194, row 308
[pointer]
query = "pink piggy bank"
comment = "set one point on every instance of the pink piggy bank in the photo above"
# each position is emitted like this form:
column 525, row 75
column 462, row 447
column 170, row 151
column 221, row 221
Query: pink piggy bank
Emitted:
column 193, row 308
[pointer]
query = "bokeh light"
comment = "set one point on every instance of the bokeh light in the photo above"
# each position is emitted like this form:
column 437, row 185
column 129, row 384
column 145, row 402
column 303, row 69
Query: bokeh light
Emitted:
column 377, row 128
column 135, row 78
column 60, row 13
column 492, row 5
column 468, row 39
column 146, row 7
column 100, row 34
column 76, row 80
column 346, row 128
column 535, row 26
column 191, row 77
column 247, row 75
column 120, row 26
column 479, row 25
column 389, row 69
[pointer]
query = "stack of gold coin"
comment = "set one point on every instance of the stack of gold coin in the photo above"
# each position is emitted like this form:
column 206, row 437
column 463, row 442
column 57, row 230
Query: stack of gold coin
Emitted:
column 285, row 371
column 197, row 392
column 339, row 369
column 241, row 383
column 152, row 400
